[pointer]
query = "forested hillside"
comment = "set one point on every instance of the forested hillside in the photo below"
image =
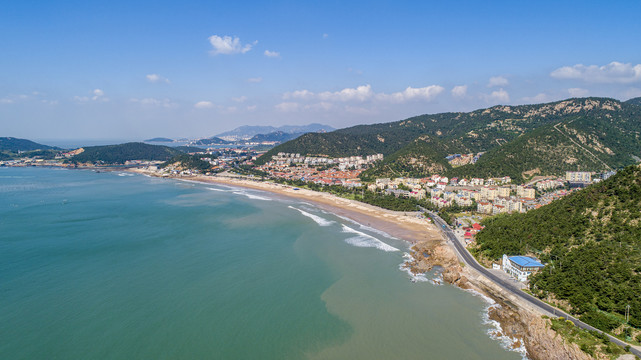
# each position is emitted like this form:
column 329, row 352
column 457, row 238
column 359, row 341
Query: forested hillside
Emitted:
column 577, row 134
column 592, row 242
column 118, row 154
column 14, row 145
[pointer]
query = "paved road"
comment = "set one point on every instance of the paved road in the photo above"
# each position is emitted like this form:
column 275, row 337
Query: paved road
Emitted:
column 512, row 288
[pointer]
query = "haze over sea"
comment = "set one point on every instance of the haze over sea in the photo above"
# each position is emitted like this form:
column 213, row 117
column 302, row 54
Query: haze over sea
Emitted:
column 122, row 266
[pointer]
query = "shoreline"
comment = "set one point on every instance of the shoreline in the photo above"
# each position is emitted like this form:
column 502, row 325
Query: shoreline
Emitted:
column 520, row 328
column 401, row 225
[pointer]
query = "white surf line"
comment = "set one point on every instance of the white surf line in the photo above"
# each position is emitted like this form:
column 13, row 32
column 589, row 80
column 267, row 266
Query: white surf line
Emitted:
column 319, row 220
column 364, row 240
column 496, row 331
column 369, row 228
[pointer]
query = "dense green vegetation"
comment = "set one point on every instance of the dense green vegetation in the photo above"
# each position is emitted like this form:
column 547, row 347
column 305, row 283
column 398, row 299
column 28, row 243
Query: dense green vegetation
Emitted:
column 591, row 241
column 14, row 145
column 279, row 136
column 118, row 154
column 425, row 155
column 189, row 149
column 586, row 134
column 592, row 343
column 186, row 161
column 635, row 101
column 211, row 141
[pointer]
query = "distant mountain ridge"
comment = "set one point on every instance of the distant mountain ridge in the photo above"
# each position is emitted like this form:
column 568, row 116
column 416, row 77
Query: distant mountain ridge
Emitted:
column 591, row 134
column 246, row 132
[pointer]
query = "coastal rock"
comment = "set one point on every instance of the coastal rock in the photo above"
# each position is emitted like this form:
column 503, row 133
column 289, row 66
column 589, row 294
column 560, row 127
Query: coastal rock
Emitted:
column 523, row 325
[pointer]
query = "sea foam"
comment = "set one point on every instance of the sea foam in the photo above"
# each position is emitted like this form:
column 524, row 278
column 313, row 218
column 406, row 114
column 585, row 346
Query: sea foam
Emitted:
column 252, row 196
column 496, row 331
column 368, row 228
column 364, row 240
column 319, row 220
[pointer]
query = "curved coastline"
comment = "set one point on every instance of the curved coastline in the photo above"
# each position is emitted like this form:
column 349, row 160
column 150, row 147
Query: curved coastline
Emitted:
column 520, row 327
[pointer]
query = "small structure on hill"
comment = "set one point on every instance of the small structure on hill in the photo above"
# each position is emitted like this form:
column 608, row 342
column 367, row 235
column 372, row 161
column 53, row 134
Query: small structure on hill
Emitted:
column 520, row 267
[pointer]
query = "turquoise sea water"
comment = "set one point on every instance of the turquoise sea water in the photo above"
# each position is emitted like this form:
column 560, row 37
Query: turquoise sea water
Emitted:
column 121, row 266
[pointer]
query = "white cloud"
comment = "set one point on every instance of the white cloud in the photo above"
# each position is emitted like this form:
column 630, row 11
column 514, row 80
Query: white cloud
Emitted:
column 499, row 95
column 204, row 105
column 459, row 91
column 497, row 81
column 578, row 92
column 287, row 106
column 273, row 54
column 97, row 95
column 6, row 101
column 155, row 78
column 166, row 103
column 325, row 36
column 240, row 99
column 362, row 93
column 227, row 45
column 299, row 94
column 425, row 93
column 614, row 72
column 251, row 108
column 255, row 80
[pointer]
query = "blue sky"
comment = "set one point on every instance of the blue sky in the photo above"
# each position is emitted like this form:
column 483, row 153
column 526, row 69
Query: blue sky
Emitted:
column 139, row 69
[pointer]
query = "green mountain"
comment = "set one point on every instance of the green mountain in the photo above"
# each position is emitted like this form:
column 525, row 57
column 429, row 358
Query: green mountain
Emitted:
column 118, row 154
column 15, row 145
column 279, row 136
column 592, row 242
column 590, row 134
column 425, row 154
column 635, row 101
column 210, row 141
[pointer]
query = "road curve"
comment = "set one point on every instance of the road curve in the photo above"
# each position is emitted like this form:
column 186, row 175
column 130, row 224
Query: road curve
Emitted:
column 471, row 261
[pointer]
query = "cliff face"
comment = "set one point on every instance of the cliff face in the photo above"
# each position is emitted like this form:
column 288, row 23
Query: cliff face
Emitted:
column 523, row 325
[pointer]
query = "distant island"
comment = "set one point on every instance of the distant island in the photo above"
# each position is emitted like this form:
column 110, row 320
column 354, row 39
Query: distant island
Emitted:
column 160, row 139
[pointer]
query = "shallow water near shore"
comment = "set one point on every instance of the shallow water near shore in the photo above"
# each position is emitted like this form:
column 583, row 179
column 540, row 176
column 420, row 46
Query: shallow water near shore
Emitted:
column 97, row 265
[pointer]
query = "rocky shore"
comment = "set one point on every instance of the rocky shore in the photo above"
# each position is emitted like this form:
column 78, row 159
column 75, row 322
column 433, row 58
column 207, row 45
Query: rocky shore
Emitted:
column 522, row 324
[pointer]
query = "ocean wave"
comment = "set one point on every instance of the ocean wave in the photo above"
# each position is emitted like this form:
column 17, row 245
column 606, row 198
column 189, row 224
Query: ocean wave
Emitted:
column 405, row 267
column 368, row 228
column 125, row 174
column 364, row 240
column 495, row 330
column 319, row 220
column 214, row 189
column 252, row 196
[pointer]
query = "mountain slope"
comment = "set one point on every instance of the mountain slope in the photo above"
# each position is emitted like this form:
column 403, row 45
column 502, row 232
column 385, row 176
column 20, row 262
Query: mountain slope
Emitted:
column 425, row 155
column 599, row 133
column 592, row 240
column 12, row 144
column 118, row 154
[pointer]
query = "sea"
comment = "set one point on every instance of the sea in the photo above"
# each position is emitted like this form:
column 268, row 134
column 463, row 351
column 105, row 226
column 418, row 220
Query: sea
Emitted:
column 115, row 265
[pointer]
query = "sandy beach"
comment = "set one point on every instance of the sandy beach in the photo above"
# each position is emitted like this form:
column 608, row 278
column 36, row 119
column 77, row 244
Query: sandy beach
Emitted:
column 402, row 225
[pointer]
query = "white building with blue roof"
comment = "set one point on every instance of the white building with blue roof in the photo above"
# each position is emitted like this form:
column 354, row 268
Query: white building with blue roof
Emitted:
column 520, row 267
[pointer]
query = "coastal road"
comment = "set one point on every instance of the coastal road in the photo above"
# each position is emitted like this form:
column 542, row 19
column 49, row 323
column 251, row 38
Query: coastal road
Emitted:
column 512, row 288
